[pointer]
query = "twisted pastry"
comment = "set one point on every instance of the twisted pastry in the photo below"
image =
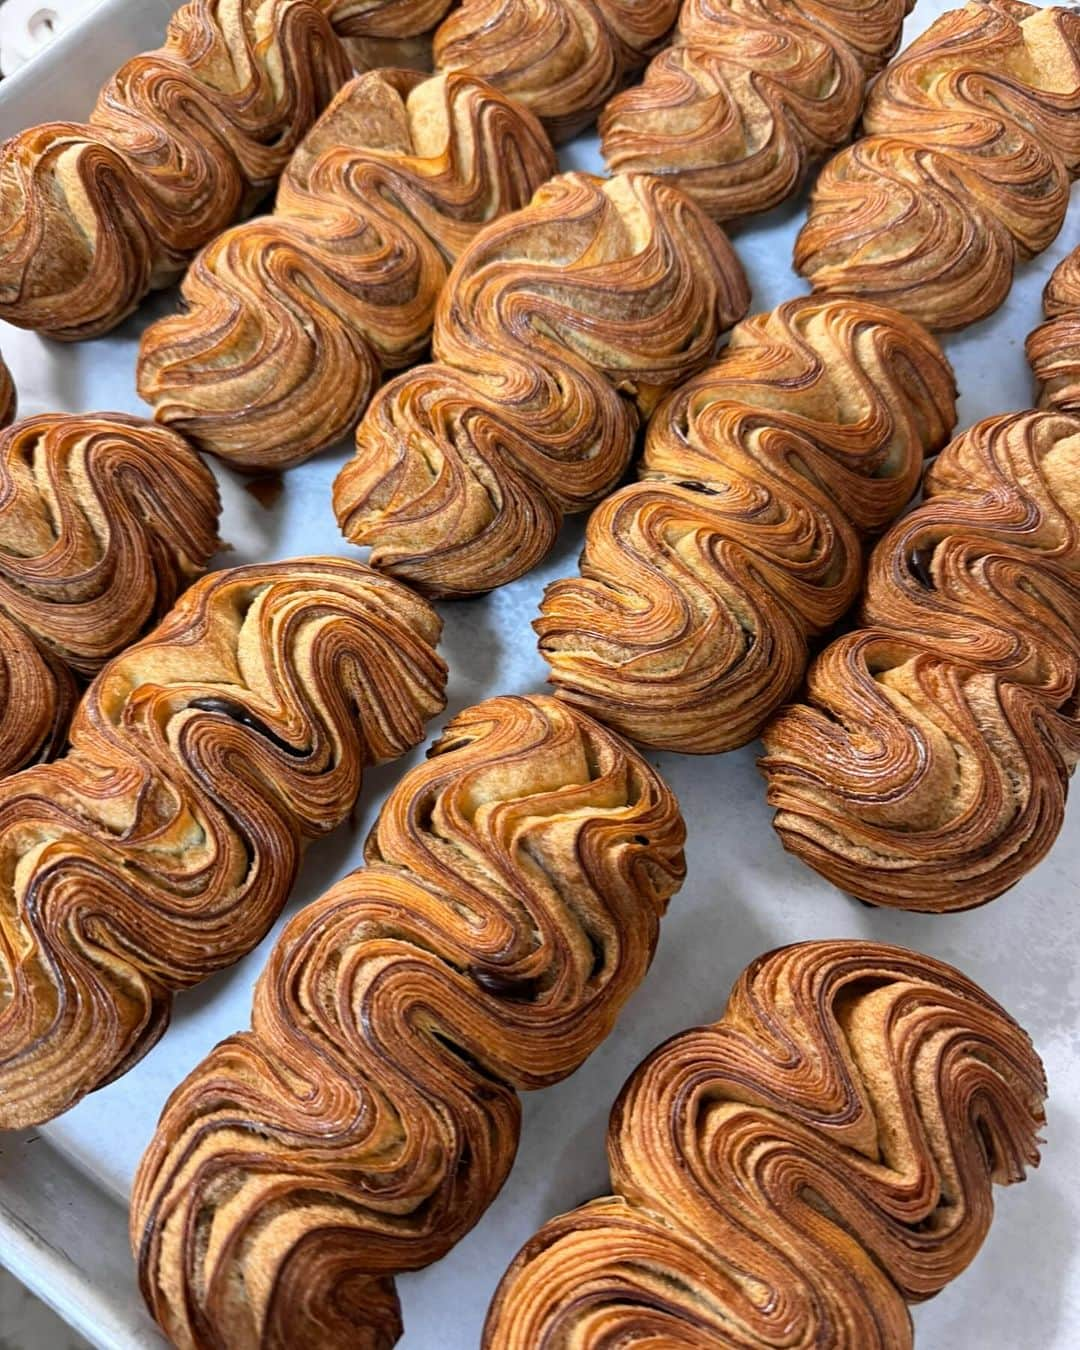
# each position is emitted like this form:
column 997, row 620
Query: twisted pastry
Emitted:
column 928, row 768
column 163, row 845
column 563, row 59
column 103, row 521
column 558, row 325
column 702, row 584
column 1054, row 348
column 749, row 94
column 973, row 136
column 181, row 141
column 291, row 319
column 7, row 395
column 796, row 1173
column 510, row 904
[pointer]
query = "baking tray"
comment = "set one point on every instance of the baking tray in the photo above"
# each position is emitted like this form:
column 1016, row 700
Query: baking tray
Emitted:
column 64, row 1187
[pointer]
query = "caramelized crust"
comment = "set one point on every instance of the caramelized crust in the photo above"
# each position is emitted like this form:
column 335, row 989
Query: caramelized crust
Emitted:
column 972, row 139
column 558, row 326
column 563, row 59
column 796, row 1173
column 7, row 395
column 1054, row 347
column 749, row 94
column 104, row 520
column 291, row 319
column 928, row 767
column 509, row 905
column 163, row 845
column 702, row 584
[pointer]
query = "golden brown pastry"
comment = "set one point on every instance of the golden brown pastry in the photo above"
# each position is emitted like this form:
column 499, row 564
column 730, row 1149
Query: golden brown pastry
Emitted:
column 558, row 326
column 702, row 584
column 563, row 59
column 291, row 319
column 509, row 906
column 163, row 845
column 104, row 520
column 929, row 765
column 182, row 140
column 7, row 395
column 1054, row 347
column 797, row 1173
column 972, row 139
column 749, row 94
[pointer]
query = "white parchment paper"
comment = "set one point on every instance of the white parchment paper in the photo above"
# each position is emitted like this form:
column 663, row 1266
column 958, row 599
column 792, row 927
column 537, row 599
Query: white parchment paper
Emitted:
column 63, row 1189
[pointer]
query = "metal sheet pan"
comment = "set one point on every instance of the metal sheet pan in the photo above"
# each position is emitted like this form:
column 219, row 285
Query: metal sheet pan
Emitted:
column 63, row 1188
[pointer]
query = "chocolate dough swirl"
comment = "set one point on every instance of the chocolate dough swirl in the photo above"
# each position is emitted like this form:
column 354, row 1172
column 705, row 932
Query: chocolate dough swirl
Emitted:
column 797, row 1173
column 291, row 319
column 928, row 766
column 1054, row 347
column 702, row 584
column 104, row 520
column 972, row 140
column 202, row 761
column 558, row 326
column 749, row 94
column 510, row 904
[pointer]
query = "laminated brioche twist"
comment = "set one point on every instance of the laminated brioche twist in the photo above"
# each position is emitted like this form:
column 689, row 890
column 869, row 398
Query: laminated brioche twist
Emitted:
column 929, row 765
column 558, row 326
column 563, row 59
column 749, row 94
column 796, row 1173
column 972, row 140
column 163, row 845
column 104, row 520
column 509, row 905
column 1054, row 348
column 290, row 319
column 7, row 395
column 181, row 141
column 702, row 584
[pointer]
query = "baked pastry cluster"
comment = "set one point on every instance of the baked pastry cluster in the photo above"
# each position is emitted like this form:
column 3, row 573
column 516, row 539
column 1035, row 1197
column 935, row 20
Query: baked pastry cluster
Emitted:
column 1054, row 347
column 104, row 520
column 797, row 1173
column 510, row 904
column 928, row 767
column 562, row 59
column 972, row 140
column 749, row 94
column 290, row 319
column 163, row 845
column 181, row 141
column 702, row 583
column 559, row 326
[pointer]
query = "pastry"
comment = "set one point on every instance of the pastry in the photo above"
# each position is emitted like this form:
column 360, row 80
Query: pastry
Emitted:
column 7, row 395
column 509, row 906
column 1054, row 348
column 749, row 94
column 797, row 1173
column 289, row 320
column 928, row 766
column 104, row 520
column 181, row 142
column 562, row 59
column 559, row 325
column 163, row 845
column 972, row 139
column 702, row 584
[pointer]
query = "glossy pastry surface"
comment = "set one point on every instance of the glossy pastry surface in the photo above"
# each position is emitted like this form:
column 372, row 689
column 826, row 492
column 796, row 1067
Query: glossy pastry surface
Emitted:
column 559, row 326
column 928, row 767
column 162, row 846
column 291, row 319
column 1053, row 350
column 972, row 138
column 702, row 584
column 749, row 95
column 509, row 905
column 796, row 1173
